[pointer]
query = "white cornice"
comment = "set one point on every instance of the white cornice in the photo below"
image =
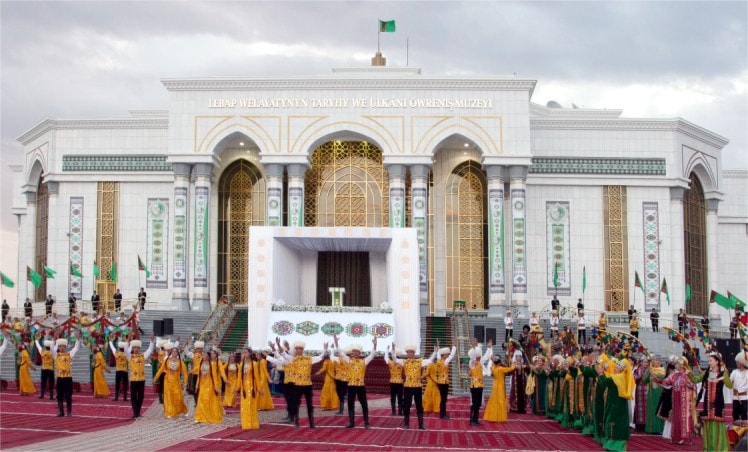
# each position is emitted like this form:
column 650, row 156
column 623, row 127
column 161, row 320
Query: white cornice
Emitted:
column 537, row 110
column 365, row 81
column 735, row 173
column 118, row 123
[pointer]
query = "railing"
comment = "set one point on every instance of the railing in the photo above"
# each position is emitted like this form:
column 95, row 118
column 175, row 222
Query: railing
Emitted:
column 218, row 320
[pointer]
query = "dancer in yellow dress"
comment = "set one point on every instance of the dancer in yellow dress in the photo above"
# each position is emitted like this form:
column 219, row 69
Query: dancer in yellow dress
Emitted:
column 231, row 370
column 209, row 409
column 250, row 391
column 265, row 401
column 431, row 396
column 25, row 384
column 496, row 408
column 175, row 379
column 100, row 387
column 328, row 397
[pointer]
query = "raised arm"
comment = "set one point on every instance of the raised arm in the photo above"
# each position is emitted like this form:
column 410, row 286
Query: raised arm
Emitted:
column 451, row 353
column 38, row 345
column 319, row 358
column 111, row 347
column 76, row 347
column 373, row 352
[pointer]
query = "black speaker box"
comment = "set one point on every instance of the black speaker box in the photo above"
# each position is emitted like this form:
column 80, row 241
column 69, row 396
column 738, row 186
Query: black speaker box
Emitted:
column 491, row 335
column 479, row 333
column 158, row 328
column 168, row 327
column 728, row 348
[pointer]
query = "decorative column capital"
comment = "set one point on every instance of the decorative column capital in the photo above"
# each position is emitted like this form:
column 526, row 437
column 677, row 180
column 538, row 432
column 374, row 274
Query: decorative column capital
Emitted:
column 203, row 170
column 518, row 172
column 712, row 205
column 296, row 170
column 396, row 171
column 419, row 171
column 53, row 187
column 274, row 170
column 677, row 193
column 181, row 169
column 495, row 171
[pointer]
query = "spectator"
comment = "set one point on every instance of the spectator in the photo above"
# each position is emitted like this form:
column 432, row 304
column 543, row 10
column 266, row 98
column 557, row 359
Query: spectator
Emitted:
column 48, row 305
column 682, row 319
column 655, row 318
column 28, row 309
column 580, row 306
column 5, row 310
column 555, row 304
column 705, row 323
column 141, row 298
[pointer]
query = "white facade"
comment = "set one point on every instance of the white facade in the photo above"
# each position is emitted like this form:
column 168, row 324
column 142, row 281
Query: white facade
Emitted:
column 561, row 158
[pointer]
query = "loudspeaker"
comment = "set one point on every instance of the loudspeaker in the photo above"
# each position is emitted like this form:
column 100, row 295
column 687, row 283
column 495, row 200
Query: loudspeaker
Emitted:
column 158, row 328
column 168, row 327
column 729, row 349
column 491, row 335
column 479, row 333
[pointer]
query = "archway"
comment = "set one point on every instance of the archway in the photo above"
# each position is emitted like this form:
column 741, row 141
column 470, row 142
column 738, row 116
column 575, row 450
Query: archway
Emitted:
column 694, row 233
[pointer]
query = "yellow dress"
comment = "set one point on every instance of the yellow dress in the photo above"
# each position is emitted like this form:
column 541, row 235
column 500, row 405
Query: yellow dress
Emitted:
column 328, row 398
column 250, row 394
column 25, row 384
column 175, row 374
column 431, row 397
column 101, row 389
column 209, row 409
column 496, row 408
column 265, row 401
column 232, row 384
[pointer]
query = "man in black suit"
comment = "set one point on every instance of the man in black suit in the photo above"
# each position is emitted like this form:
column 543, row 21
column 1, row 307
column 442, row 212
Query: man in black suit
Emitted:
column 141, row 298
column 117, row 301
column 555, row 304
column 95, row 302
column 71, row 303
column 580, row 306
column 48, row 305
column 28, row 309
column 5, row 310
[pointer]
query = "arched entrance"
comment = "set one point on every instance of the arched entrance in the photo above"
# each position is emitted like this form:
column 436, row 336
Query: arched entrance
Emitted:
column 241, row 204
column 694, row 224
column 42, row 231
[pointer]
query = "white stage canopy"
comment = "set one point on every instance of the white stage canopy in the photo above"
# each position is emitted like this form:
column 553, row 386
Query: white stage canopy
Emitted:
column 283, row 266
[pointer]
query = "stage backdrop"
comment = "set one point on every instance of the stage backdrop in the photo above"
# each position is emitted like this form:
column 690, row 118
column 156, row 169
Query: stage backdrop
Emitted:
column 282, row 262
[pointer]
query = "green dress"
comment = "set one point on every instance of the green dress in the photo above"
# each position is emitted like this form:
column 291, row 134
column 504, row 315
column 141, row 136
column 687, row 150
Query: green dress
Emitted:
column 598, row 408
column 570, row 400
column 654, row 423
column 540, row 398
column 590, row 376
column 552, row 408
column 617, row 419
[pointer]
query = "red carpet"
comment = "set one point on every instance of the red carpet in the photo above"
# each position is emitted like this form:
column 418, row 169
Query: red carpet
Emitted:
column 27, row 420
column 522, row 432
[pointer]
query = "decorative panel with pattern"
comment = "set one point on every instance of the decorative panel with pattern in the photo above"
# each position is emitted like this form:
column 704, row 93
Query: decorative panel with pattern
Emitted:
column 180, row 236
column 519, row 241
column 651, row 246
column 101, row 163
column 75, row 245
column 615, row 248
column 558, row 246
column 156, row 255
column 598, row 166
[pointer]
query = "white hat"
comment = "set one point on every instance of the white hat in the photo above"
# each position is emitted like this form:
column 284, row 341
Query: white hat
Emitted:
column 740, row 358
column 443, row 351
column 135, row 343
column 297, row 344
column 62, row 342
column 474, row 353
column 48, row 343
column 347, row 350
column 199, row 344
column 121, row 344
column 168, row 346
column 358, row 347
column 160, row 343
column 410, row 347
column 399, row 352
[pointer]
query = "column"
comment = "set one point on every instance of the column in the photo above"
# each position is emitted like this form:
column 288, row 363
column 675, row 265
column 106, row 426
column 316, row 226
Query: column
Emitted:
column 180, row 297
column 27, row 228
column 677, row 273
column 274, row 194
column 496, row 283
column 712, row 205
column 517, row 190
column 419, row 192
column 201, row 238
column 57, row 235
column 397, row 195
column 296, row 174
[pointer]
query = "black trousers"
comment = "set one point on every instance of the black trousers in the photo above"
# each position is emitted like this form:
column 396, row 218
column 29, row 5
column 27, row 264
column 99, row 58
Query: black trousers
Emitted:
column 409, row 396
column 476, row 400
column 298, row 393
column 48, row 381
column 443, row 393
column 95, row 306
column 581, row 336
column 508, row 334
column 193, row 385
column 161, row 389
column 289, row 395
column 120, row 378
column 117, row 304
column 65, row 392
column 740, row 410
column 341, row 387
column 655, row 325
column 396, row 396
column 635, row 334
column 360, row 392
column 137, row 392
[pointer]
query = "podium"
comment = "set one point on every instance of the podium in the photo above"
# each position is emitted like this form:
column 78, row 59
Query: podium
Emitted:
column 337, row 295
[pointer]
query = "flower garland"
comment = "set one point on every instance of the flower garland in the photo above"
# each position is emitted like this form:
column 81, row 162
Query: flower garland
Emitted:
column 341, row 309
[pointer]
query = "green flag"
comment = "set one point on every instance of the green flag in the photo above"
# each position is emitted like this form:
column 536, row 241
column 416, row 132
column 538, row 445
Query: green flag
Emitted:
column 5, row 281
column 74, row 271
column 638, row 282
column 736, row 302
column 113, row 271
column 555, row 275
column 143, row 268
column 33, row 277
column 386, row 26
column 584, row 278
column 96, row 270
column 720, row 300
column 665, row 290
column 49, row 273
column 688, row 291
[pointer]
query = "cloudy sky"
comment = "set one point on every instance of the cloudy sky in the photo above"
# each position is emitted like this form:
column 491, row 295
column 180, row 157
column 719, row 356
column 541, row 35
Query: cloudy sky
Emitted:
column 100, row 59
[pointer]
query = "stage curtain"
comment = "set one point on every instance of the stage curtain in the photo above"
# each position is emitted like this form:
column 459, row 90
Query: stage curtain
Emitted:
column 349, row 269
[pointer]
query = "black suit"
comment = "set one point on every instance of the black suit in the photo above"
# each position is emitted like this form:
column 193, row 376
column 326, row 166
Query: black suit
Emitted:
column 95, row 302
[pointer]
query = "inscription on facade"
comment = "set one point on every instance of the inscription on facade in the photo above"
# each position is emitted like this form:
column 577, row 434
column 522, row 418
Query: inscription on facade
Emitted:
column 342, row 103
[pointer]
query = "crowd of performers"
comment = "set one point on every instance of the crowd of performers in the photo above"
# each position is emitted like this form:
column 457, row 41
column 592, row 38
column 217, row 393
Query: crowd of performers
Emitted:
column 605, row 391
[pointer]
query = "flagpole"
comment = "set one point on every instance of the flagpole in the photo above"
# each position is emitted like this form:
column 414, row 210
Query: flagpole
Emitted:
column 379, row 32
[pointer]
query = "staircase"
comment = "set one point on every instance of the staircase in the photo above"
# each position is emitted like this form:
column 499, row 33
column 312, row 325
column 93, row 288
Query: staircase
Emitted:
column 186, row 323
column 235, row 337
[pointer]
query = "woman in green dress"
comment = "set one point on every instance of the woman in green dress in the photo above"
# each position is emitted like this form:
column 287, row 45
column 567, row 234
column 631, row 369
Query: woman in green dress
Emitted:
column 654, row 423
column 620, row 388
column 713, row 382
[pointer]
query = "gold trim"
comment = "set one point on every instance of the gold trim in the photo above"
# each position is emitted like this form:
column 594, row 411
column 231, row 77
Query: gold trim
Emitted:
column 205, row 137
column 402, row 129
column 292, row 147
